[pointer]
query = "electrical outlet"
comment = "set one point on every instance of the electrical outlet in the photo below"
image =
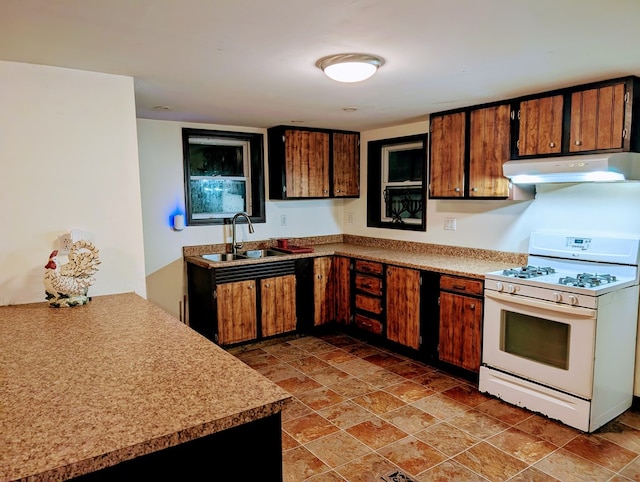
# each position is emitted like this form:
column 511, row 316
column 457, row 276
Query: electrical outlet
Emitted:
column 450, row 224
column 351, row 217
column 283, row 220
column 64, row 243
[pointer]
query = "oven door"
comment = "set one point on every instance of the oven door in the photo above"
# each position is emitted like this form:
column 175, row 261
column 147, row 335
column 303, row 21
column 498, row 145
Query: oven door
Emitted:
column 541, row 341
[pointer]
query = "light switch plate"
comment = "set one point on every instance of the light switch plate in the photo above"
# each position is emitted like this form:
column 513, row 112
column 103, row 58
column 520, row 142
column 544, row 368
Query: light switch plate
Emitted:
column 450, row 224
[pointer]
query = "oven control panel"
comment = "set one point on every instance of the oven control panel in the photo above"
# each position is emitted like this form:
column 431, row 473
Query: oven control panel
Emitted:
column 581, row 244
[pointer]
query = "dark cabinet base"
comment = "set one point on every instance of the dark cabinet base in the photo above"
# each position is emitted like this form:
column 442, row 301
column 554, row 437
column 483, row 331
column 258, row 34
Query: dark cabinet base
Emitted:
column 252, row 451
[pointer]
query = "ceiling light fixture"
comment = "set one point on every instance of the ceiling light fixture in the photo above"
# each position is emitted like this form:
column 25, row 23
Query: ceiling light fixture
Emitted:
column 350, row 67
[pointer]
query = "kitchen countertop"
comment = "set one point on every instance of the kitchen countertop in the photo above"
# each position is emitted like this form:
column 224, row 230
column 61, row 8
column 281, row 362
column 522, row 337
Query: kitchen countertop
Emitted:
column 473, row 263
column 87, row 387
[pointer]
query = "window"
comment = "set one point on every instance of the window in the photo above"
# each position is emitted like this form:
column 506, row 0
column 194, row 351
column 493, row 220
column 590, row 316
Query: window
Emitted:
column 396, row 190
column 223, row 175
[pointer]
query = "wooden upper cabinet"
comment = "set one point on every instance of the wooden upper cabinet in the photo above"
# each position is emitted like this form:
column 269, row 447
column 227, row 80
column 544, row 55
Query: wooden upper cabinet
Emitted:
column 447, row 158
column 346, row 164
column 306, row 163
column 403, row 306
column 489, row 148
column 597, row 118
column 540, row 126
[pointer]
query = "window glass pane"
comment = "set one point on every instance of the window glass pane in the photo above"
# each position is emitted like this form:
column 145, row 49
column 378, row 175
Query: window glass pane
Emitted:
column 216, row 160
column 217, row 197
column 536, row 339
column 405, row 165
column 403, row 204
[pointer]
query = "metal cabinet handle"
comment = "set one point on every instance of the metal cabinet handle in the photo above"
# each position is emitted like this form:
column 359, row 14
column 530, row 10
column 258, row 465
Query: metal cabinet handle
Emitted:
column 552, row 144
column 456, row 189
column 578, row 143
column 472, row 306
column 474, row 189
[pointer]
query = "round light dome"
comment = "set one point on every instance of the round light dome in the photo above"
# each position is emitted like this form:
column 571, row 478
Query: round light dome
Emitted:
column 350, row 67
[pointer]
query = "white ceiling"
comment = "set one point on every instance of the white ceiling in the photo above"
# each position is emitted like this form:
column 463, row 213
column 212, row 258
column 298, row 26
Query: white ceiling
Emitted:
column 252, row 62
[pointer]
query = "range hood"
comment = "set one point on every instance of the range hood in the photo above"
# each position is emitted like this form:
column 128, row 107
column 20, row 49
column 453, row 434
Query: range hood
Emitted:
column 607, row 167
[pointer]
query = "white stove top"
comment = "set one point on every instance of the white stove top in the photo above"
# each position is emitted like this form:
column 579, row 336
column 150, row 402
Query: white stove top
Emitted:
column 612, row 261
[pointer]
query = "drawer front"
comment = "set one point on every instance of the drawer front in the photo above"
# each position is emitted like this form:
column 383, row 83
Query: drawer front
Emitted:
column 461, row 285
column 369, row 284
column 368, row 267
column 368, row 303
column 368, row 324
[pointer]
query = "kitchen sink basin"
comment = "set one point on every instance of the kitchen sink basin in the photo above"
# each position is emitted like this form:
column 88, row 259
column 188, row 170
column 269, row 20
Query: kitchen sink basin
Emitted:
column 260, row 253
column 222, row 256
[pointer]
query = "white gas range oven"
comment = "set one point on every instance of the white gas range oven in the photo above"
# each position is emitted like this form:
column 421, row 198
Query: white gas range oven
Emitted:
column 559, row 335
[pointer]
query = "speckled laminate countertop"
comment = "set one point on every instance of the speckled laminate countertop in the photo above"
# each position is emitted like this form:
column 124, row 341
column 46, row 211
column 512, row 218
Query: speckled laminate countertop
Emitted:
column 469, row 262
column 87, row 387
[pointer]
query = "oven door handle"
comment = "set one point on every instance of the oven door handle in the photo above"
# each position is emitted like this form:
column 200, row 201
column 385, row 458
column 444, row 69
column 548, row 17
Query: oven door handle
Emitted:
column 574, row 311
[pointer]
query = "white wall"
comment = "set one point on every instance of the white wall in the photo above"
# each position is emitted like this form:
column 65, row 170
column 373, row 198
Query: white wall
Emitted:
column 162, row 186
column 68, row 151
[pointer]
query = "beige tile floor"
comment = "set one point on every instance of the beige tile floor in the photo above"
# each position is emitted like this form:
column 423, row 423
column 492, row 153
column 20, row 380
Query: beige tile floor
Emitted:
column 363, row 414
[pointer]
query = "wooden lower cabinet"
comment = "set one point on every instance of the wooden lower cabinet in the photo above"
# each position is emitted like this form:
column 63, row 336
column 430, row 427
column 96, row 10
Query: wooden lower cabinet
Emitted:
column 278, row 305
column 331, row 290
column 403, row 306
column 460, row 330
column 236, row 312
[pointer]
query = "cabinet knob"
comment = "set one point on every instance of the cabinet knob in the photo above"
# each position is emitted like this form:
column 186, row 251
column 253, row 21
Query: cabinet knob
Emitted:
column 474, row 189
column 267, row 285
column 337, row 190
column 319, row 276
column 472, row 306
column 578, row 143
column 456, row 189
column 325, row 191
column 250, row 287
column 552, row 144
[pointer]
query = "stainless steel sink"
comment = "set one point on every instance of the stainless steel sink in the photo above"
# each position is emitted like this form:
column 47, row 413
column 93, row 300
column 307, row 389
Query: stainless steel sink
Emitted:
column 222, row 256
column 260, row 253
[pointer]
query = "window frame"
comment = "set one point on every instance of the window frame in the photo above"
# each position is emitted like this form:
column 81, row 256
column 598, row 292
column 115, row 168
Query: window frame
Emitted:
column 253, row 170
column 376, row 158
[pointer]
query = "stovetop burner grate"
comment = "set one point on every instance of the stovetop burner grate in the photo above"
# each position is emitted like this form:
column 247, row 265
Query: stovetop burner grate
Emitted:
column 587, row 280
column 528, row 271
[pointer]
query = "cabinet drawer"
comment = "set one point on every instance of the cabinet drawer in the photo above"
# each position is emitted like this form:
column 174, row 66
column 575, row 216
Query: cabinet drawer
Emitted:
column 368, row 267
column 461, row 285
column 369, row 284
column 369, row 303
column 368, row 324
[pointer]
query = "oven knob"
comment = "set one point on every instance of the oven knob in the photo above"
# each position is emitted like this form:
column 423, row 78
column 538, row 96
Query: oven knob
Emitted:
column 512, row 289
column 557, row 297
column 573, row 300
column 499, row 286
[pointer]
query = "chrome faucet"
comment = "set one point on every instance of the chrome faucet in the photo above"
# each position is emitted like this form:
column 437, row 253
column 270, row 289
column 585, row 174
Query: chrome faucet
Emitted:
column 235, row 246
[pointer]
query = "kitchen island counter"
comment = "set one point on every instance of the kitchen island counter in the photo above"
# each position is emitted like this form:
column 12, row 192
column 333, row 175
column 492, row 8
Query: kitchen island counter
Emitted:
column 88, row 387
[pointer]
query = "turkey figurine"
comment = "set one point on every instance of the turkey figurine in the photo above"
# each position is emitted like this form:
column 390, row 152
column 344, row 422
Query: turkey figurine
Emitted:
column 67, row 285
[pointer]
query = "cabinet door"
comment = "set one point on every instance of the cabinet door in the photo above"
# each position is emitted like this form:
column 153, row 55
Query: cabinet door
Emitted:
column 540, row 123
column 460, row 331
column 278, row 305
column 323, row 291
column 489, row 148
column 403, row 306
column 236, row 312
column 446, row 163
column 346, row 164
column 306, row 164
column 342, row 271
column 597, row 118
